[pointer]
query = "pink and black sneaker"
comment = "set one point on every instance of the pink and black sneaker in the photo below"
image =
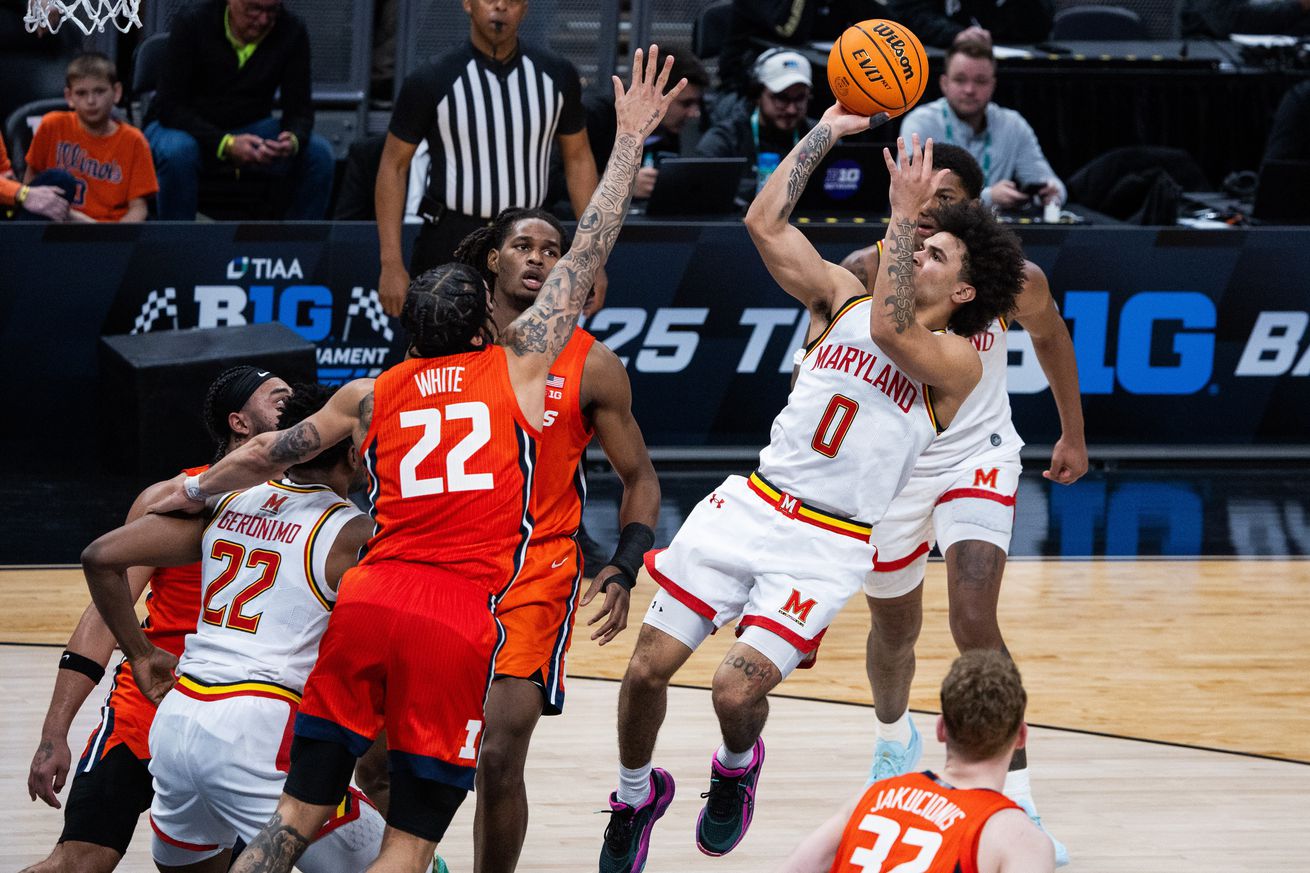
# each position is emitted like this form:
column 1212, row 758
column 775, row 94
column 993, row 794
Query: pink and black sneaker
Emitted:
column 730, row 804
column 627, row 838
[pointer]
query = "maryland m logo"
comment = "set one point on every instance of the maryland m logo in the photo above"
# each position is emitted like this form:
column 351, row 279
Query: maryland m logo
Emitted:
column 273, row 505
column 987, row 478
column 789, row 506
column 796, row 609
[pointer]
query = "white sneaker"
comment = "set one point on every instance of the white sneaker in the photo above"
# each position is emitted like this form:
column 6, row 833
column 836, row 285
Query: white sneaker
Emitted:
column 896, row 759
column 1061, row 853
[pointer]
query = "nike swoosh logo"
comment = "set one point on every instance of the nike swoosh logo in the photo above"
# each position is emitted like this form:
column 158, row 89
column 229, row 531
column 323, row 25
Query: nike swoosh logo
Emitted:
column 263, row 373
column 557, row 564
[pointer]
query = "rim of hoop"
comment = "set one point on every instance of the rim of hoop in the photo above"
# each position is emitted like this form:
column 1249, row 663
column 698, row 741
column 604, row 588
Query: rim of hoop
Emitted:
column 89, row 15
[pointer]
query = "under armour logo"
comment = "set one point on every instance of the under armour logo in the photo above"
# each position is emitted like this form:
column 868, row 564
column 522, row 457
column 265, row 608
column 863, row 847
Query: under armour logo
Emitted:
column 716, row 500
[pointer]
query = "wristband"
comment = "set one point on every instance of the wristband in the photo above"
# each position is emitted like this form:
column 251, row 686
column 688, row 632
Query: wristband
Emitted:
column 81, row 664
column 21, row 196
column 634, row 542
column 191, row 485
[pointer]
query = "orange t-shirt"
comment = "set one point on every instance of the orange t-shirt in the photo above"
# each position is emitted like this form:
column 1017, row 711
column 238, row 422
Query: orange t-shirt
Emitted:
column 111, row 171
column 8, row 187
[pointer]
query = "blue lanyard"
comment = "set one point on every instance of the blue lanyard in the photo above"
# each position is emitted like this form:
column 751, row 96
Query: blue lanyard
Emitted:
column 755, row 131
column 987, row 143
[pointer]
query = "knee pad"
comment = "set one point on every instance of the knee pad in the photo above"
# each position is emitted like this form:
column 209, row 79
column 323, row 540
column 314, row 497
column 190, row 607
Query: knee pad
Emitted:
column 320, row 771
column 422, row 807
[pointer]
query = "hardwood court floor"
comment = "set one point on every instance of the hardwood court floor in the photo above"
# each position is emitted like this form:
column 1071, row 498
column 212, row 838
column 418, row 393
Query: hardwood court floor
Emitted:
column 1207, row 653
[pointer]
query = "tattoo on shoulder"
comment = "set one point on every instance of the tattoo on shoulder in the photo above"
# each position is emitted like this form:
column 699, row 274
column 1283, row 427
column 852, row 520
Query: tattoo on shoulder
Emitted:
column 294, row 445
column 813, row 148
column 860, row 271
column 366, row 412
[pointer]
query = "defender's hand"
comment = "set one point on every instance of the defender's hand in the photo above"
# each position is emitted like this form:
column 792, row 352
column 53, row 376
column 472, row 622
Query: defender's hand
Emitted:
column 639, row 109
column 153, row 673
column 913, row 180
column 176, row 500
column 615, row 608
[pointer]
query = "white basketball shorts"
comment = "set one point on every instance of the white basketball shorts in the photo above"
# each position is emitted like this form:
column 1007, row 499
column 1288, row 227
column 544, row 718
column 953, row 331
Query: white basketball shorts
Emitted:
column 972, row 501
column 218, row 765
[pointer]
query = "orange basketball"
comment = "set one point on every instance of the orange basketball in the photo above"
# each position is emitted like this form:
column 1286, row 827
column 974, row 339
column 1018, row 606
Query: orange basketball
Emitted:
column 877, row 66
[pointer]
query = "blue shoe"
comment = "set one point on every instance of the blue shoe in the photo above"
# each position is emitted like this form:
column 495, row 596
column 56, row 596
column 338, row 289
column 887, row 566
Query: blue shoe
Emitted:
column 896, row 759
column 438, row 865
column 730, row 804
column 1061, row 853
column 627, row 838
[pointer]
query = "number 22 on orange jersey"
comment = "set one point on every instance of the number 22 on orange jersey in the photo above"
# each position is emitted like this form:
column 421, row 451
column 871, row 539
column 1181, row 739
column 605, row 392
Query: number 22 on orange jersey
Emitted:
column 456, row 478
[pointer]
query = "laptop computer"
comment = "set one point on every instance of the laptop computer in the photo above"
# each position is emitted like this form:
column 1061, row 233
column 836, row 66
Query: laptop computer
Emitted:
column 1282, row 196
column 696, row 186
column 851, row 181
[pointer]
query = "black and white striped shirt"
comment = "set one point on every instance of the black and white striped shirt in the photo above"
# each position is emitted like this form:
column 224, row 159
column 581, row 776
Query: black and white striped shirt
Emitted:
column 490, row 125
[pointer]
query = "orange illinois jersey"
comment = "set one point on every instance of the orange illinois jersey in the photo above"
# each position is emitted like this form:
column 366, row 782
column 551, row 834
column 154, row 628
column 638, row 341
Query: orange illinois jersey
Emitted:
column 917, row 822
column 560, row 489
column 450, row 458
column 173, row 604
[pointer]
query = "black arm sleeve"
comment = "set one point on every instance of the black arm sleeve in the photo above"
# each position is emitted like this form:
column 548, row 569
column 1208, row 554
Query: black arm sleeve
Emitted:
column 297, row 97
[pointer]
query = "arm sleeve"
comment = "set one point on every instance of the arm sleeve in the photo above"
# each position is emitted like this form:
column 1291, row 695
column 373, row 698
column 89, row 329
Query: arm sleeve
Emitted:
column 928, row 23
column 416, row 107
column 143, row 182
column 297, row 97
column 1030, row 164
column 175, row 107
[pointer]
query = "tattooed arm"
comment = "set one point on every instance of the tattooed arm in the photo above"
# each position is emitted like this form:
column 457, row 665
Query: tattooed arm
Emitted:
column 537, row 336
column 792, row 260
column 946, row 362
column 268, row 455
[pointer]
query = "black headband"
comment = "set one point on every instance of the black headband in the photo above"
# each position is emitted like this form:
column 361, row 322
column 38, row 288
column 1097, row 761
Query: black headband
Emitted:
column 234, row 394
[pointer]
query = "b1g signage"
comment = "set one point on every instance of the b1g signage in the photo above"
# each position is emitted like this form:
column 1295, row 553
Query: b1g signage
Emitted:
column 1181, row 337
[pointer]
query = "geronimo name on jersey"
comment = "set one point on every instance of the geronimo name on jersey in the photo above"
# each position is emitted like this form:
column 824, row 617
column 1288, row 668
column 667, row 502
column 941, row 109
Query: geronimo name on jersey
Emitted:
column 982, row 427
column 450, row 459
column 853, row 426
column 560, row 489
column 918, row 822
column 266, row 599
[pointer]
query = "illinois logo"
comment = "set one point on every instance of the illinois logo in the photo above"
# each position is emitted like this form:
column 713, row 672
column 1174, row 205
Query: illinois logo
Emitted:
column 796, row 609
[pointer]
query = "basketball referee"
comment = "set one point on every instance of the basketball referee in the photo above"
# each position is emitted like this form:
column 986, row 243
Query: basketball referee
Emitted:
column 489, row 111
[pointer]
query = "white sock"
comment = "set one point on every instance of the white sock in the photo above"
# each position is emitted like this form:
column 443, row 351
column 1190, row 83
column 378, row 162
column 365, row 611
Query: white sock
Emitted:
column 897, row 731
column 734, row 760
column 634, row 785
column 1017, row 787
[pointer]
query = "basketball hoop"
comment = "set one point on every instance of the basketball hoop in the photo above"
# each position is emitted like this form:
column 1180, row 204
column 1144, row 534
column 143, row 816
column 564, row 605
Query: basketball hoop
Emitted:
column 88, row 15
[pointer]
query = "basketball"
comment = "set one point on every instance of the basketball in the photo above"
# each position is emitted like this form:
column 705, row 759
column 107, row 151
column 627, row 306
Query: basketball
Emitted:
column 877, row 66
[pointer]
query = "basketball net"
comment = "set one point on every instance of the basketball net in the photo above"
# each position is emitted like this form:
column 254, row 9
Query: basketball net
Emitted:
column 88, row 15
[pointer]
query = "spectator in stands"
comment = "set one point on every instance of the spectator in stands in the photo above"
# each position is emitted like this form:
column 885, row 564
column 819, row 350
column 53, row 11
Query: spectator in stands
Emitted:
column 1218, row 19
column 668, row 138
column 224, row 62
column 1000, row 139
column 943, row 23
column 755, row 24
column 1289, row 138
column 35, row 201
column 108, row 159
column 771, row 120
column 486, row 110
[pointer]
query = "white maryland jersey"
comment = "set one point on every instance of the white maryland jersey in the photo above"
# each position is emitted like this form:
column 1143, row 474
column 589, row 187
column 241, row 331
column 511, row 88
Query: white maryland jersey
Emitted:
column 982, row 429
column 265, row 601
column 853, row 426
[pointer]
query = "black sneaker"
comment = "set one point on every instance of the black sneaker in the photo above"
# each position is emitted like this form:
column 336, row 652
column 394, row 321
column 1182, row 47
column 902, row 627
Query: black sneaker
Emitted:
column 627, row 838
column 730, row 805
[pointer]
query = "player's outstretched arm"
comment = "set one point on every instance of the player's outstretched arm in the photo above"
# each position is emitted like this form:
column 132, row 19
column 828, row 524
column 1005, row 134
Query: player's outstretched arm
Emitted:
column 948, row 363
column 610, row 404
column 269, row 454
column 1035, row 309
column 153, row 540
column 89, row 649
column 791, row 259
column 536, row 337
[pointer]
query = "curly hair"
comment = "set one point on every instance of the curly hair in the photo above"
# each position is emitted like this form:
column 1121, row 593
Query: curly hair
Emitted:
column 946, row 156
column 306, row 399
column 445, row 310
column 983, row 702
column 993, row 264
column 474, row 248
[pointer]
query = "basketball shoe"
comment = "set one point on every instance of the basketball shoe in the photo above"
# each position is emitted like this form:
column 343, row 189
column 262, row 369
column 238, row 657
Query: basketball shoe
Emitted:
column 627, row 838
column 730, row 804
column 1061, row 853
column 895, row 759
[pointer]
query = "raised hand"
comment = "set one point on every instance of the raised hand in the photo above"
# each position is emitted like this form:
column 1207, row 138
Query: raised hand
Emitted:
column 913, row 180
column 845, row 123
column 639, row 108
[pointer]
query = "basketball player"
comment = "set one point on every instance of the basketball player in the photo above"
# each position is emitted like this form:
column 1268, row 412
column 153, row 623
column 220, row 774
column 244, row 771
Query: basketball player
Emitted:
column 112, row 785
column 272, row 557
column 958, row 820
column 785, row 549
column 449, row 439
column 962, row 495
column 587, row 393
